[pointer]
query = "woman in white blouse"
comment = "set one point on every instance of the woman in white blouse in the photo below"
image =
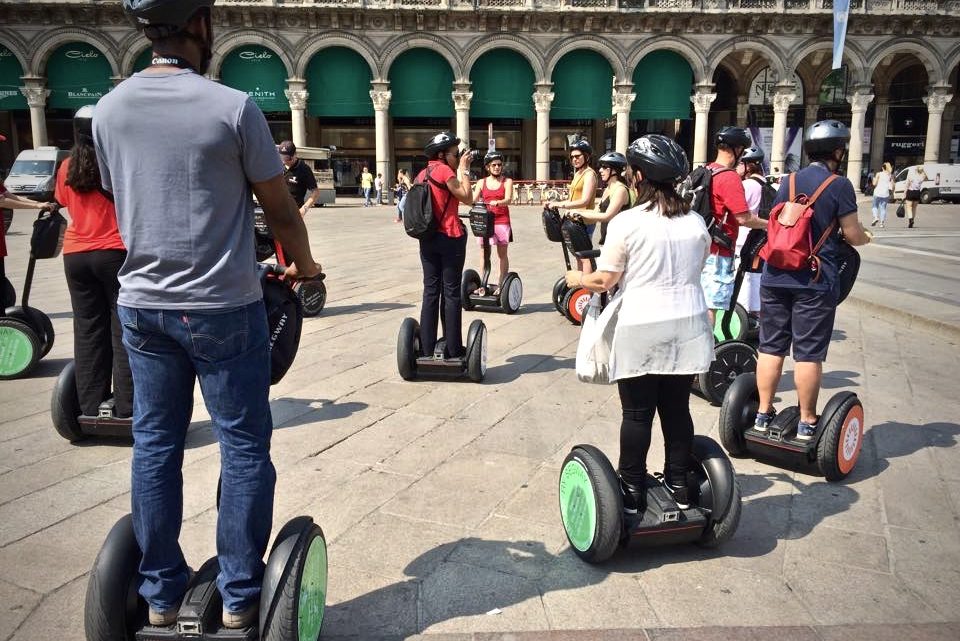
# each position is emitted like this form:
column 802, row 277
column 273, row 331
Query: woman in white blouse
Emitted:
column 654, row 253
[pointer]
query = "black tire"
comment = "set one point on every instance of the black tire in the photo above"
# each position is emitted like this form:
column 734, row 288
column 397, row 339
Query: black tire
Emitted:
column 19, row 348
column 559, row 290
column 113, row 610
column 574, row 302
column 842, row 436
column 719, row 491
column 48, row 334
column 408, row 349
column 313, row 296
column 297, row 565
column 588, row 479
column 731, row 359
column 65, row 405
column 926, row 197
column 477, row 351
column 737, row 413
column 511, row 293
column 468, row 285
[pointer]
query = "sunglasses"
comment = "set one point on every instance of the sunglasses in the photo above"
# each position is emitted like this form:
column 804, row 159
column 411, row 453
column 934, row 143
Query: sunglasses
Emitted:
column 575, row 156
column 496, row 164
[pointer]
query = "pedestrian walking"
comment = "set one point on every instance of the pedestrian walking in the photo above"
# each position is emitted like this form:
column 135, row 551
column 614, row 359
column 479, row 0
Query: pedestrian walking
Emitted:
column 882, row 182
column 400, row 191
column 378, row 188
column 366, row 185
column 915, row 178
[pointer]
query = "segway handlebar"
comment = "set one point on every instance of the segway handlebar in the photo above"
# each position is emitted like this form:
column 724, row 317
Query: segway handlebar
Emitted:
column 588, row 254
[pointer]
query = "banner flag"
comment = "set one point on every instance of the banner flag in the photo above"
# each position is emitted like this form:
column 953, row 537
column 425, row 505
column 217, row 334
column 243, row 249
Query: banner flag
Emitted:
column 841, row 11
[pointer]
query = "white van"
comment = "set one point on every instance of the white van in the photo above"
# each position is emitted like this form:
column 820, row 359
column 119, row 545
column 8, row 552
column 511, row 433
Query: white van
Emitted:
column 943, row 182
column 34, row 172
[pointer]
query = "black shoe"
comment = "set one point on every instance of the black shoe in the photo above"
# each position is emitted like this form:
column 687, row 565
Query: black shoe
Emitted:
column 910, row 223
column 634, row 498
column 680, row 494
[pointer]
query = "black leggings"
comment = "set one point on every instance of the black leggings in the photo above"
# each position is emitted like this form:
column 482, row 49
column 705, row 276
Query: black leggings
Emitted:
column 640, row 397
column 97, row 347
column 442, row 258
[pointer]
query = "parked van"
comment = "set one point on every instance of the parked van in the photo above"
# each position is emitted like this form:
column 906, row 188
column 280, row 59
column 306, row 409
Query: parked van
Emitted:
column 34, row 172
column 943, row 182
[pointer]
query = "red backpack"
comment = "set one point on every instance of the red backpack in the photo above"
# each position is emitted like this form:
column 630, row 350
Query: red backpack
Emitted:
column 790, row 232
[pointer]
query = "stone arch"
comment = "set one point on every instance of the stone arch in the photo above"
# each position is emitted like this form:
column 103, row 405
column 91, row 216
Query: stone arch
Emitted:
column 681, row 46
column 917, row 47
column 882, row 78
column 852, row 55
column 305, row 53
column 263, row 38
column 131, row 46
column 19, row 48
column 774, row 55
column 55, row 38
column 503, row 41
column 593, row 43
column 396, row 46
column 952, row 60
column 733, row 72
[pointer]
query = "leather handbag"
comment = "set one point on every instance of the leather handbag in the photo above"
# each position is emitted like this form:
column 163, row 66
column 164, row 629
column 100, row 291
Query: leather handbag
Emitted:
column 901, row 211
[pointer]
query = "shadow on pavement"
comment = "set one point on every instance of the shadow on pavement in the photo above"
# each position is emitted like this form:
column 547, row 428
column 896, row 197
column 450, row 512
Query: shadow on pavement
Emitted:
column 339, row 310
column 831, row 380
column 892, row 440
column 293, row 412
column 524, row 363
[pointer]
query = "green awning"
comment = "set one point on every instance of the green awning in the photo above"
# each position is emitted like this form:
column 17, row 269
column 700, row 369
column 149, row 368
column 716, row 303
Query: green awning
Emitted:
column 421, row 85
column 77, row 75
column 663, row 82
column 502, row 85
column 143, row 60
column 338, row 81
column 10, row 83
column 582, row 87
column 259, row 73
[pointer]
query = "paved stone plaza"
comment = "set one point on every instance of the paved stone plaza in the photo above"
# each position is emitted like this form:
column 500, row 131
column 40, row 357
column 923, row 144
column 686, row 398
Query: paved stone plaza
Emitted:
column 439, row 499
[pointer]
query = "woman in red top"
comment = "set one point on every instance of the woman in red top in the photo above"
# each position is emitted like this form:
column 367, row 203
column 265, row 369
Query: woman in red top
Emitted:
column 497, row 192
column 93, row 253
column 442, row 255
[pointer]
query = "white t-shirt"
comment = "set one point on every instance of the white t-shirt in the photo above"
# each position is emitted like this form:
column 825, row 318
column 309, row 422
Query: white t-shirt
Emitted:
column 754, row 194
column 378, row 183
column 882, row 188
column 662, row 327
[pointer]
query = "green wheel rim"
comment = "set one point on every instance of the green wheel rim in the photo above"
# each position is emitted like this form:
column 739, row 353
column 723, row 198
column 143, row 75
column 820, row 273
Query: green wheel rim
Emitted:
column 734, row 325
column 578, row 505
column 16, row 352
column 313, row 591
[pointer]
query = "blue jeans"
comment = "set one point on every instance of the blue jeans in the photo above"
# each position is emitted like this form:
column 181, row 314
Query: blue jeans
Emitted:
column 880, row 208
column 366, row 196
column 227, row 350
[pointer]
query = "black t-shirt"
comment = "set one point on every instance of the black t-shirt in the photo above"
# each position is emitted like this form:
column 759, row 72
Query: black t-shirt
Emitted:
column 300, row 181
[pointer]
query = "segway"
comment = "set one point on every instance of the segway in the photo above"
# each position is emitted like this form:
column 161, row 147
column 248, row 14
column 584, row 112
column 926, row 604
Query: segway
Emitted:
column 510, row 296
column 313, row 291
column 591, row 504
column 572, row 236
column 411, row 363
column 292, row 598
column 26, row 333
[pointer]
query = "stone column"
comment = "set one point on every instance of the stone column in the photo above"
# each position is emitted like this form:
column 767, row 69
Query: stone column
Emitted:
column 811, row 109
column 380, row 95
column 784, row 95
column 37, row 94
column 702, row 98
column 461, row 105
column 297, row 94
column 622, row 101
column 541, row 103
column 743, row 110
column 936, row 101
column 878, row 133
column 858, row 100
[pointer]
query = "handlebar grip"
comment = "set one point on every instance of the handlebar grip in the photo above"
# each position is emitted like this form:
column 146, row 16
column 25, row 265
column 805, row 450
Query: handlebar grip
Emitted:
column 587, row 254
column 272, row 268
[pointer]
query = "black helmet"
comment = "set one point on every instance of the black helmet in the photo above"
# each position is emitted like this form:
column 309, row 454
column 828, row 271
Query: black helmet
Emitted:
column 658, row 159
column 491, row 156
column 83, row 125
column 614, row 160
column 163, row 17
column 752, row 154
column 582, row 145
column 441, row 142
column 733, row 137
column 825, row 137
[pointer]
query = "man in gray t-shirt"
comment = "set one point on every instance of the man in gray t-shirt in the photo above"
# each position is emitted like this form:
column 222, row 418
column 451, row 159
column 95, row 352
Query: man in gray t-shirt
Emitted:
column 181, row 155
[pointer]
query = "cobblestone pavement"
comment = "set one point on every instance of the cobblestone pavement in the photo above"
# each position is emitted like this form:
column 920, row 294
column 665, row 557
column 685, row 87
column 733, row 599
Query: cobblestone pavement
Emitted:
column 439, row 499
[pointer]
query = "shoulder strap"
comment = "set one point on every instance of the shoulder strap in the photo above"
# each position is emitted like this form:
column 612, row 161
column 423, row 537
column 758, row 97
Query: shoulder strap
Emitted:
column 819, row 190
column 793, row 187
column 833, row 223
column 759, row 181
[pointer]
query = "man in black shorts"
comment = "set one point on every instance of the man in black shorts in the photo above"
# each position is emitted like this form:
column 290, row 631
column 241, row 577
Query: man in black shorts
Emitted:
column 795, row 306
column 299, row 177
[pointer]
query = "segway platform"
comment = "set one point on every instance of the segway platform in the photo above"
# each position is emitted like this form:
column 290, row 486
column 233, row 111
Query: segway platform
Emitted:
column 833, row 450
column 411, row 362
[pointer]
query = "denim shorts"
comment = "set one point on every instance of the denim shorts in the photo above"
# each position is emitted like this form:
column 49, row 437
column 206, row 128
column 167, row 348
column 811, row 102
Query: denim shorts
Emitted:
column 717, row 281
column 798, row 316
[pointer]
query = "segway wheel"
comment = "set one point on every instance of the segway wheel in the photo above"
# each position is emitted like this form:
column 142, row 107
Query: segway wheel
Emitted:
column 591, row 504
column 294, row 594
column 19, row 348
column 65, row 405
column 842, row 437
column 719, row 491
column 113, row 610
column 731, row 359
column 408, row 349
column 739, row 324
column 313, row 296
column 468, row 285
column 511, row 293
column 737, row 413
column 477, row 351
column 559, row 290
column 575, row 303
column 48, row 334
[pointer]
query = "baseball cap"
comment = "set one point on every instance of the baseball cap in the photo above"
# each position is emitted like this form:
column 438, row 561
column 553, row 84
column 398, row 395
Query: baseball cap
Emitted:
column 287, row 148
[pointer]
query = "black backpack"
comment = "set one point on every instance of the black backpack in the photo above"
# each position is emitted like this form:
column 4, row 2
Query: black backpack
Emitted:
column 767, row 197
column 697, row 189
column 284, row 321
column 418, row 219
